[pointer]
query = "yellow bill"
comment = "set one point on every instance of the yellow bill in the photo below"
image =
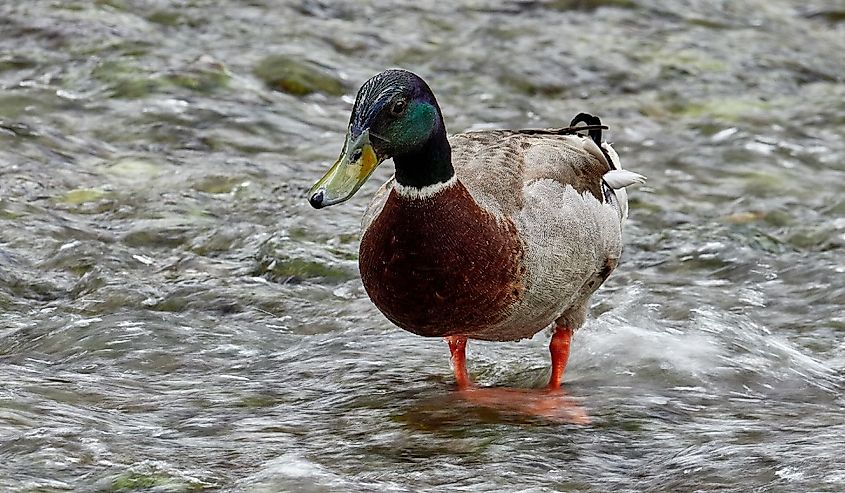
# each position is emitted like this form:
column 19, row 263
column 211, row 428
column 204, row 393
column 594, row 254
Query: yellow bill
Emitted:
column 356, row 163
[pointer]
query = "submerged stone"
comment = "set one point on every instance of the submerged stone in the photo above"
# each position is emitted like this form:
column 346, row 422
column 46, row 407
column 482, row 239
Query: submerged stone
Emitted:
column 203, row 75
column 81, row 196
column 590, row 5
column 297, row 77
column 124, row 80
column 169, row 232
column 16, row 62
column 218, row 184
column 298, row 269
column 832, row 15
column 135, row 169
column 166, row 18
column 279, row 259
column 152, row 481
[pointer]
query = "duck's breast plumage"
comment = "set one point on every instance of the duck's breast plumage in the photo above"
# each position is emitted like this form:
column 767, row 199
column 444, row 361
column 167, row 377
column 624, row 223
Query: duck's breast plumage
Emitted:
column 441, row 266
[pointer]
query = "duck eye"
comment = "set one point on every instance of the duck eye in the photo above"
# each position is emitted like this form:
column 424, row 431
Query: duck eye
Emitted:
column 398, row 107
column 356, row 154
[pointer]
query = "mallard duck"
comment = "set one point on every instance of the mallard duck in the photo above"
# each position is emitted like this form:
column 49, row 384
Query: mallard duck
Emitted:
column 493, row 234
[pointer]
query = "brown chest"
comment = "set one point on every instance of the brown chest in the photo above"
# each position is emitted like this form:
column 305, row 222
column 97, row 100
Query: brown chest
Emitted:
column 442, row 265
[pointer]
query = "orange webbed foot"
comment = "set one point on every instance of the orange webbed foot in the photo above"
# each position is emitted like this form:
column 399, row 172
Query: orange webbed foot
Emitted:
column 550, row 403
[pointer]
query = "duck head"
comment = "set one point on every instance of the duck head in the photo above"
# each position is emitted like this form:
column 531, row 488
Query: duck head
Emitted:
column 395, row 116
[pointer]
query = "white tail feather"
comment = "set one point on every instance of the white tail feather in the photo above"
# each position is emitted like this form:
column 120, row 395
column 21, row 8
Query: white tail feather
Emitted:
column 621, row 178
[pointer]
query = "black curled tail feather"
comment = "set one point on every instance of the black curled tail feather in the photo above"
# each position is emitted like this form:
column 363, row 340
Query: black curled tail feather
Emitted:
column 589, row 119
column 594, row 133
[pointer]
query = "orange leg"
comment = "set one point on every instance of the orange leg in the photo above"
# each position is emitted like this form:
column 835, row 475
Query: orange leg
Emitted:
column 559, row 347
column 458, row 346
column 550, row 403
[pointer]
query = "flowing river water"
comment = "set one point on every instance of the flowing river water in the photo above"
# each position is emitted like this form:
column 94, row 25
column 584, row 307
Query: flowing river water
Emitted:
column 175, row 317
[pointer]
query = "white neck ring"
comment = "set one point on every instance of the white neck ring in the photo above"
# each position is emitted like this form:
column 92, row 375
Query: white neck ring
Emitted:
column 422, row 193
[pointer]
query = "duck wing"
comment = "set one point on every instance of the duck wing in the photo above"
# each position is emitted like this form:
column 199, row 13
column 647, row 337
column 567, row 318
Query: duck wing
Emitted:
column 496, row 166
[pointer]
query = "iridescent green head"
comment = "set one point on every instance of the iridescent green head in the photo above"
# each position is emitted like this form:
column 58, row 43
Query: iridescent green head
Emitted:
column 395, row 116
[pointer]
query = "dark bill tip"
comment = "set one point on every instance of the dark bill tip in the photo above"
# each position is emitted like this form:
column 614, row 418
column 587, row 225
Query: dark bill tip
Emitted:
column 316, row 200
